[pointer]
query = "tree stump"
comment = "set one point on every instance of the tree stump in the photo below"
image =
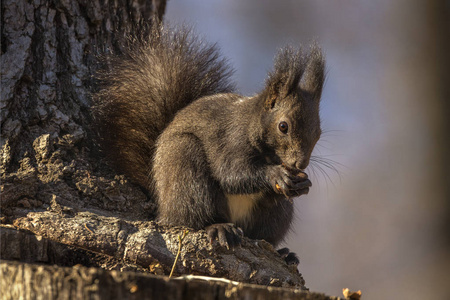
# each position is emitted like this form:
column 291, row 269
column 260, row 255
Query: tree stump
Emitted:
column 61, row 204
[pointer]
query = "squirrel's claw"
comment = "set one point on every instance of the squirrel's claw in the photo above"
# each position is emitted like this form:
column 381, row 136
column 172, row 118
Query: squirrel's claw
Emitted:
column 286, row 183
column 289, row 257
column 227, row 234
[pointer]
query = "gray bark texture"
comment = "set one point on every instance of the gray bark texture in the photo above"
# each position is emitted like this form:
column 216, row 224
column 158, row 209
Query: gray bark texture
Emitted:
column 60, row 203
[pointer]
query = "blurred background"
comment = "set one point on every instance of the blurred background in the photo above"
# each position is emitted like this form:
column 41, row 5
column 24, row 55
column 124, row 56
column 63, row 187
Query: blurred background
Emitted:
column 381, row 222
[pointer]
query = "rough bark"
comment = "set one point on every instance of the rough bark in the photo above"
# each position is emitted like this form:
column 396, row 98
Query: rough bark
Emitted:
column 49, row 51
column 153, row 247
column 28, row 281
column 67, row 206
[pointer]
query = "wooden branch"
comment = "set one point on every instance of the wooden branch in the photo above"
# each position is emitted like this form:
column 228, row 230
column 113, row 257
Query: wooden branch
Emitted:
column 154, row 247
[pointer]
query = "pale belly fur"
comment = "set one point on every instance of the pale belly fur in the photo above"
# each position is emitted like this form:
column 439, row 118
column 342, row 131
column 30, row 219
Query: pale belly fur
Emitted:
column 241, row 206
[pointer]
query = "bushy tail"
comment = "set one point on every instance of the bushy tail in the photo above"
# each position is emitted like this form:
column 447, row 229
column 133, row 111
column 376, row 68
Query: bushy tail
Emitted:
column 142, row 89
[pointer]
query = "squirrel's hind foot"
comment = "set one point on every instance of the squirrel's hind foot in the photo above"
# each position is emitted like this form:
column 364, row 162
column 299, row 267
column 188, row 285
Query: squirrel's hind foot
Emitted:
column 289, row 257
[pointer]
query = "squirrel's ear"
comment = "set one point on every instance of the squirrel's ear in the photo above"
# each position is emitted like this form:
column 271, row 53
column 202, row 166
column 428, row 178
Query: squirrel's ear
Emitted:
column 285, row 78
column 313, row 78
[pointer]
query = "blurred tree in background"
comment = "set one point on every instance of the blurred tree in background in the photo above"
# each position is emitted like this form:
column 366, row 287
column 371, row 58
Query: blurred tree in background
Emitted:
column 382, row 223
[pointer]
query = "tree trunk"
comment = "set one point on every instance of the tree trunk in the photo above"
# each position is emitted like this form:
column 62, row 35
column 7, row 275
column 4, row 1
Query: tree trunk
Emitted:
column 66, row 206
column 49, row 51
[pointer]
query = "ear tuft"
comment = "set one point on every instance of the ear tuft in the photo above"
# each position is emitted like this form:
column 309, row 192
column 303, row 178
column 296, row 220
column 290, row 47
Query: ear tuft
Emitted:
column 284, row 79
column 314, row 76
column 295, row 72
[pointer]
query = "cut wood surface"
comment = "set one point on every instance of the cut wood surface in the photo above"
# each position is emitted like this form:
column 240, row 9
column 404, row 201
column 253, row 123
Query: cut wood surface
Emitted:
column 30, row 281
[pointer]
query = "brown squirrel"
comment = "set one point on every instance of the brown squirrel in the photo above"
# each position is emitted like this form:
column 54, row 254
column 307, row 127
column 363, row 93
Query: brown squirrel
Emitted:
column 168, row 118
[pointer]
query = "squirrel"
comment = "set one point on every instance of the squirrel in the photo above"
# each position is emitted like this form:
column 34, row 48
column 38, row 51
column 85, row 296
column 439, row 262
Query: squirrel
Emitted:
column 168, row 117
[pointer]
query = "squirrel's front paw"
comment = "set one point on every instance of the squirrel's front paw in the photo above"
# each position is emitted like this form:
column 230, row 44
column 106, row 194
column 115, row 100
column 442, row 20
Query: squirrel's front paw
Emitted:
column 283, row 182
column 226, row 233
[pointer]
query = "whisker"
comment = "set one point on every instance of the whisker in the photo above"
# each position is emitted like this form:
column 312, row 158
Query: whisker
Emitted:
column 325, row 143
column 323, row 173
column 327, row 131
column 313, row 169
column 322, row 164
column 319, row 146
column 328, row 163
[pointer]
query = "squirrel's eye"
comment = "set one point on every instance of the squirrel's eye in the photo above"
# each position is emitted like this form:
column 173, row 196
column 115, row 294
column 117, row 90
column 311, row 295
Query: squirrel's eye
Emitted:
column 283, row 126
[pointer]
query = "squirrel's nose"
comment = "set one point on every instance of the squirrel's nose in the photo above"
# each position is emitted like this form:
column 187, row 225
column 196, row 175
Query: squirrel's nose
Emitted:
column 302, row 164
column 297, row 166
